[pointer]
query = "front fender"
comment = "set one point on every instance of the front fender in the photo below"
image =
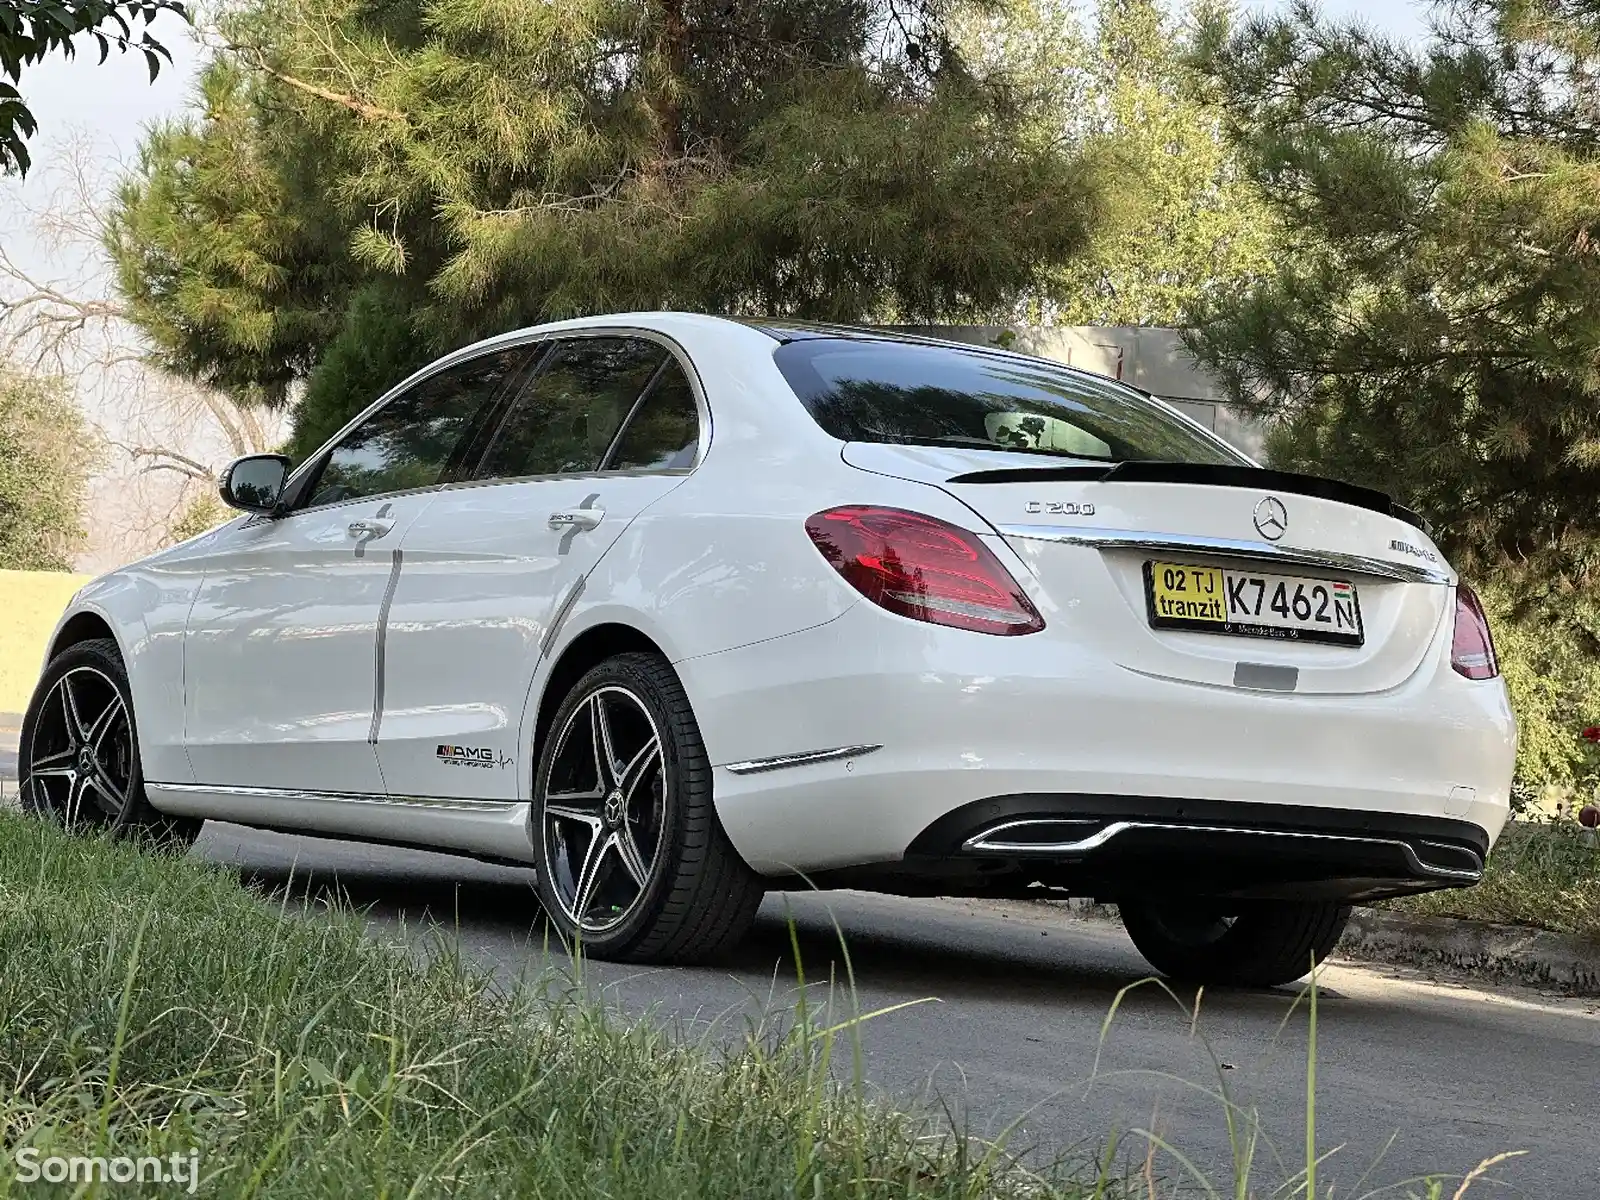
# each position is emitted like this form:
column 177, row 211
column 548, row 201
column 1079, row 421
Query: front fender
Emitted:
column 145, row 609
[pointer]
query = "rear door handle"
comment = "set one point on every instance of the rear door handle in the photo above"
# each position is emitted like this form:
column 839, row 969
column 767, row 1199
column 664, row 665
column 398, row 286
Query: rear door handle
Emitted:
column 369, row 528
column 577, row 518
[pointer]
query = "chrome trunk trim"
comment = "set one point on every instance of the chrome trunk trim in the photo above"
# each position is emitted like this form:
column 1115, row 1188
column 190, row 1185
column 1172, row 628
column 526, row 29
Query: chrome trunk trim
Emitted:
column 986, row 841
column 1194, row 543
column 780, row 761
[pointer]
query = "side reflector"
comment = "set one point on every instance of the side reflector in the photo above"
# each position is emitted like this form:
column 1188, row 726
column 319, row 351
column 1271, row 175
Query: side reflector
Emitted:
column 923, row 568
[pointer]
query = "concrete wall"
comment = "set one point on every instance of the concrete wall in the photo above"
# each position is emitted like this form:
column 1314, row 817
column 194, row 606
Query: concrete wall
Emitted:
column 31, row 602
column 1153, row 359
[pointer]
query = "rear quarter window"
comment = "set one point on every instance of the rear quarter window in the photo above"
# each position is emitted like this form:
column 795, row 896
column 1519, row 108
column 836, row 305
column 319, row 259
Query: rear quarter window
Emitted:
column 863, row 390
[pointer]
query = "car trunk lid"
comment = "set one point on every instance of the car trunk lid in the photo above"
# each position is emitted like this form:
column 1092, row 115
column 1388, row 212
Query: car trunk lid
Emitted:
column 1088, row 530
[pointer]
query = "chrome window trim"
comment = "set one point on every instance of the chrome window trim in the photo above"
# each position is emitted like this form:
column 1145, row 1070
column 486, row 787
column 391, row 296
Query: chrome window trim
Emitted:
column 333, row 504
column 512, row 341
column 1191, row 543
column 266, row 793
column 983, row 841
column 779, row 761
column 501, row 480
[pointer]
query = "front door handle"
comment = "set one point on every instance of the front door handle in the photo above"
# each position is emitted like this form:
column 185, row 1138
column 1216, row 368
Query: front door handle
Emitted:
column 577, row 518
column 369, row 528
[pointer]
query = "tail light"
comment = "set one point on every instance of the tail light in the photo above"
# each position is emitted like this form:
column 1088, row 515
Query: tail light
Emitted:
column 923, row 568
column 1472, row 651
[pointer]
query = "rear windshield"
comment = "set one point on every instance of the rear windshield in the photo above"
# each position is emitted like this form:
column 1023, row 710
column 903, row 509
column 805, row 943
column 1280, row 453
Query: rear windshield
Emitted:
column 903, row 392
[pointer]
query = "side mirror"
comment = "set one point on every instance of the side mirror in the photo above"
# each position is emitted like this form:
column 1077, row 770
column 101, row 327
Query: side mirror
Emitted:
column 254, row 483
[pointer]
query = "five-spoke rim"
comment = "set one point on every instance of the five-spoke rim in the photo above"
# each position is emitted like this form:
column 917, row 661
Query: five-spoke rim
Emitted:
column 80, row 761
column 604, row 809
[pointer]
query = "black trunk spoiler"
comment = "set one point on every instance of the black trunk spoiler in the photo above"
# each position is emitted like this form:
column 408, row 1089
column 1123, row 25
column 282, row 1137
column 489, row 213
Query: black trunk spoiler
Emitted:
column 1209, row 475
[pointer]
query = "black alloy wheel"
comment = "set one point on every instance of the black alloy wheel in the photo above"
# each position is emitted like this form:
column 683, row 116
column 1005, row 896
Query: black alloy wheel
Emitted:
column 633, row 862
column 605, row 808
column 78, row 755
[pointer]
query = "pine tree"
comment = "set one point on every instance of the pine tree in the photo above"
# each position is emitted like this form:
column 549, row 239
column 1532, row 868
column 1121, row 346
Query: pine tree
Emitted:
column 224, row 254
column 492, row 164
column 1435, row 330
column 1434, row 326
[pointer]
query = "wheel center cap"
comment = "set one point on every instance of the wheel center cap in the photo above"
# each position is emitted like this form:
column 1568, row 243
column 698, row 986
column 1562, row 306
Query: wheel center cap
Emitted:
column 86, row 760
column 613, row 809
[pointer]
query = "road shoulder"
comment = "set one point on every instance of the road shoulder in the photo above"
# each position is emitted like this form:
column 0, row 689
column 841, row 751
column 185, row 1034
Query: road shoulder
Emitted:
column 1446, row 950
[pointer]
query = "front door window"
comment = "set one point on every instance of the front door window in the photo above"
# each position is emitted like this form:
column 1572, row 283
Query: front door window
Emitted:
column 417, row 438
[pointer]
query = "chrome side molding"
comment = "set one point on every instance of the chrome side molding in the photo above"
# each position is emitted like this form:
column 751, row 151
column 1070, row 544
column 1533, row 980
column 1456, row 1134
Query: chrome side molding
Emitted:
column 779, row 761
column 1194, row 543
column 460, row 804
column 988, row 842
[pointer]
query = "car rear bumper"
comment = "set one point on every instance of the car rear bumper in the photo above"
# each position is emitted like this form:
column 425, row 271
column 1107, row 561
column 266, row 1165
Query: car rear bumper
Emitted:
column 1112, row 846
column 960, row 719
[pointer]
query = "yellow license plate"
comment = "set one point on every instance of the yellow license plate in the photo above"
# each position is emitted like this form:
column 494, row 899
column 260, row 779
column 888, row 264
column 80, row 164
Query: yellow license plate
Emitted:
column 1243, row 602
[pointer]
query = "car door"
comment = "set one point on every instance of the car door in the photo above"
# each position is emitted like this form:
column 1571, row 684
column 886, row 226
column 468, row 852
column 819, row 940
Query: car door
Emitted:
column 280, row 646
column 604, row 427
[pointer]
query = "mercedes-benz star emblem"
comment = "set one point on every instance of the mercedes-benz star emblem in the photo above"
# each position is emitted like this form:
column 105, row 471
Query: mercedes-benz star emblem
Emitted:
column 1272, row 519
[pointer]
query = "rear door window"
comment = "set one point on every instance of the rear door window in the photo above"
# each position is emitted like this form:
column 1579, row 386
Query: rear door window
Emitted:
column 568, row 414
column 864, row 390
column 664, row 432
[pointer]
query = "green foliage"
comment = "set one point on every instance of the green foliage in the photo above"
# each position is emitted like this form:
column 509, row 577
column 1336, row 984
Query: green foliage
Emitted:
column 150, row 1005
column 1435, row 331
column 499, row 164
column 1433, row 328
column 1546, row 875
column 204, row 512
column 32, row 30
column 1553, row 676
column 1186, row 223
column 221, row 266
column 46, row 455
column 375, row 348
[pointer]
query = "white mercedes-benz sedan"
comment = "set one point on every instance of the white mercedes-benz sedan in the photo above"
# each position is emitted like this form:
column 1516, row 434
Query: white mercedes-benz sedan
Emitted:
column 679, row 609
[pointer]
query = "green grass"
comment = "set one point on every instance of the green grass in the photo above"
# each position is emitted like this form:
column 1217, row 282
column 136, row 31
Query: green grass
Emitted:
column 1546, row 875
column 150, row 1006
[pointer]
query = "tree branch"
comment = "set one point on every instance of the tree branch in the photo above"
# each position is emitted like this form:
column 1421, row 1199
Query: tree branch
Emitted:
column 368, row 112
column 177, row 462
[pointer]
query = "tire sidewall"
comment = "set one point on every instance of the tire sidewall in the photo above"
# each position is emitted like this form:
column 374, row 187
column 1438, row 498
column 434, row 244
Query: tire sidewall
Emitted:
column 617, row 671
column 1253, row 952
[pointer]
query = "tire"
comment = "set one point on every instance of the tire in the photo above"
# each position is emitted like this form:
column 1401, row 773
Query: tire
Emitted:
column 664, row 884
column 1258, row 943
column 80, row 765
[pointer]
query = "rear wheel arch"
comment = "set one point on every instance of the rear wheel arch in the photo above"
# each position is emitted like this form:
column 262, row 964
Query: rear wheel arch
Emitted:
column 585, row 652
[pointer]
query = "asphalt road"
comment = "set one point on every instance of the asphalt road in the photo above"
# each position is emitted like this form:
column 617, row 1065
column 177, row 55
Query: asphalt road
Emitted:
column 1413, row 1075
